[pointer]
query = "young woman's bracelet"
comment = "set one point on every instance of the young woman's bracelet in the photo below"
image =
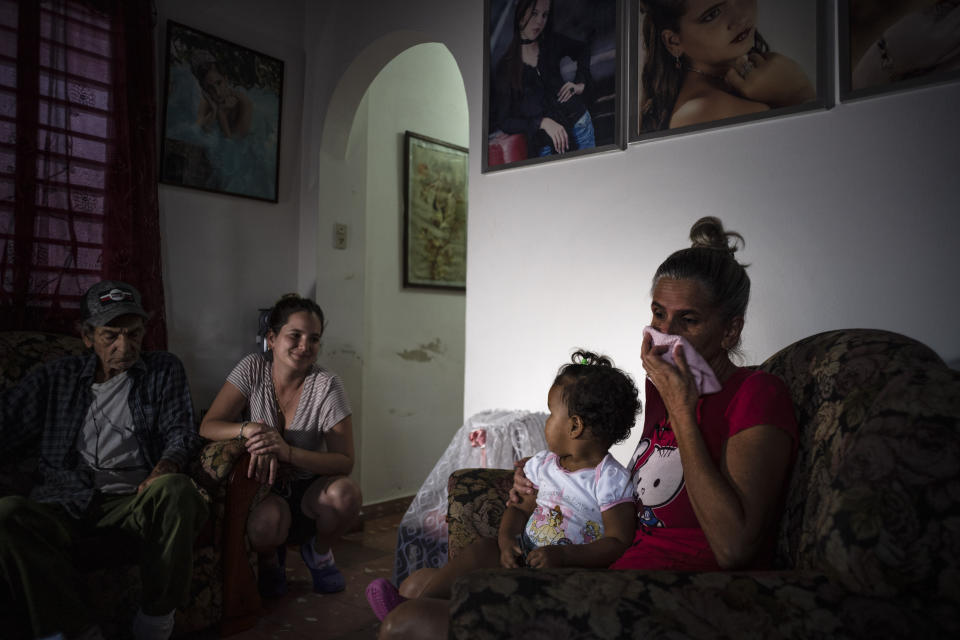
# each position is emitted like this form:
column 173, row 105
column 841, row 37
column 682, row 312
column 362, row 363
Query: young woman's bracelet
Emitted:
column 242, row 425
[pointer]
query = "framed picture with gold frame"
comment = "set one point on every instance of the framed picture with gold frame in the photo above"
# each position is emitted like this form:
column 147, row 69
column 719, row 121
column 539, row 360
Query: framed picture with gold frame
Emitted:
column 435, row 214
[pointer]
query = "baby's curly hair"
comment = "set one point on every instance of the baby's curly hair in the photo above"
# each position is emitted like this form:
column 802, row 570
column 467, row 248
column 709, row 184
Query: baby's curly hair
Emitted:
column 604, row 397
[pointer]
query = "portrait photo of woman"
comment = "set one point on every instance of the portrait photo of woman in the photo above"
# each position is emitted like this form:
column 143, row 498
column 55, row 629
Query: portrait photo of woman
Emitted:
column 551, row 77
column 221, row 116
column 699, row 62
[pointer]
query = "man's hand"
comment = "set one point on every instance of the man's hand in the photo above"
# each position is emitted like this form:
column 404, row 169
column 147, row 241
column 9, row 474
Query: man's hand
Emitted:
column 161, row 469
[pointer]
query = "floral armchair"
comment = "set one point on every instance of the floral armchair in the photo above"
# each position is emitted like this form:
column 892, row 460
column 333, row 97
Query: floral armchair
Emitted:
column 223, row 591
column 868, row 546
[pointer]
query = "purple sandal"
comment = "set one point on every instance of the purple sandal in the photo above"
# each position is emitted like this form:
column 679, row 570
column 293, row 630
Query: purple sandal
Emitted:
column 383, row 597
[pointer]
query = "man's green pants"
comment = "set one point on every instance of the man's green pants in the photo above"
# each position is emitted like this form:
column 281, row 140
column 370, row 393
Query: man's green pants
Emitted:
column 36, row 557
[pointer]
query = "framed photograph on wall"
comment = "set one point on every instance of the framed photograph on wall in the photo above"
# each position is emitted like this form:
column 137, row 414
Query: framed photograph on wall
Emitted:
column 552, row 80
column 221, row 123
column 435, row 214
column 897, row 45
column 687, row 73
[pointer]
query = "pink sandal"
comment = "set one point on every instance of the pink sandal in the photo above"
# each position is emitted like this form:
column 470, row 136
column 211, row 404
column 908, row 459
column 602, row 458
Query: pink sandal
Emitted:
column 383, row 597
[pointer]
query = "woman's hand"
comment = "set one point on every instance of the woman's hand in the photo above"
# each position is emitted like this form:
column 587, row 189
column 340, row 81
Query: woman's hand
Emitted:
column 509, row 552
column 676, row 384
column 570, row 89
column 207, row 112
column 267, row 440
column 558, row 135
column 521, row 485
column 263, row 468
column 546, row 557
column 772, row 78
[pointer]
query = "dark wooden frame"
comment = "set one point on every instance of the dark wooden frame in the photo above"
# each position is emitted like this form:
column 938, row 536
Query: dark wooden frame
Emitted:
column 413, row 212
column 180, row 158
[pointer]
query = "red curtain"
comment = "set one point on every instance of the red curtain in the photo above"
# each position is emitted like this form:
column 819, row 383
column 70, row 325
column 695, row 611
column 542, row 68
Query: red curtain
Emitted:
column 78, row 188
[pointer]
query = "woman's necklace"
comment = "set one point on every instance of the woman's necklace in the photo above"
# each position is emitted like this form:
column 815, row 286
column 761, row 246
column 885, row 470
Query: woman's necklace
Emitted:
column 282, row 414
column 706, row 75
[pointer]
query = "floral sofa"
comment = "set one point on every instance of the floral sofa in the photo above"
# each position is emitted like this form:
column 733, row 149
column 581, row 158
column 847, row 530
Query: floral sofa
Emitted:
column 868, row 547
column 223, row 591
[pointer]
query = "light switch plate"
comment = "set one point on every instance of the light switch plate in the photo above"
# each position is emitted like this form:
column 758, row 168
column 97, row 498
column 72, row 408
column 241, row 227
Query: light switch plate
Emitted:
column 339, row 236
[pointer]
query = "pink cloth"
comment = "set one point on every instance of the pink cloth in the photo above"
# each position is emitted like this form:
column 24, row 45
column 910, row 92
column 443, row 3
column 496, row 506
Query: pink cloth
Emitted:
column 702, row 372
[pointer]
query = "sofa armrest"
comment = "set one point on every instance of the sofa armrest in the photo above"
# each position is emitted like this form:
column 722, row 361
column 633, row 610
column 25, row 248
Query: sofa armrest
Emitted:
column 580, row 603
column 222, row 472
column 476, row 500
column 242, row 605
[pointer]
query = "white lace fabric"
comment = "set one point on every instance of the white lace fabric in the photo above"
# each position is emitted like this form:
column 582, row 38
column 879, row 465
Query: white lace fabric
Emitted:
column 506, row 436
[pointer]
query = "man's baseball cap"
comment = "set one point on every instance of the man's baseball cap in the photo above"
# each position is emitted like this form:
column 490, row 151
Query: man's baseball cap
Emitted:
column 110, row 299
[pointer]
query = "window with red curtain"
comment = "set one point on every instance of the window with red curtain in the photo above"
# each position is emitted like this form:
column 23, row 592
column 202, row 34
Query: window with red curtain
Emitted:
column 78, row 188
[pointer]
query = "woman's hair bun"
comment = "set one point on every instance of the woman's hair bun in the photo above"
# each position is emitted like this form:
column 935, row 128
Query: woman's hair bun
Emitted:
column 708, row 233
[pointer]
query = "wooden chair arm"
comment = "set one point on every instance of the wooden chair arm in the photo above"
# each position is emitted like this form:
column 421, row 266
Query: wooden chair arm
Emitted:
column 242, row 606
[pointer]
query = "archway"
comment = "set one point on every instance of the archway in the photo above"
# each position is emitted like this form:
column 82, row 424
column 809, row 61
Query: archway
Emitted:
column 399, row 351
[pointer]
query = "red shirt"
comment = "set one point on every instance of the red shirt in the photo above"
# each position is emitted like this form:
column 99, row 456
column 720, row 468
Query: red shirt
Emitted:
column 668, row 533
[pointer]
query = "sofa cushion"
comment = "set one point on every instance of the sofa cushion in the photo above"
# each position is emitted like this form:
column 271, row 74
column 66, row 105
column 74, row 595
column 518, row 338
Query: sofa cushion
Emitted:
column 575, row 603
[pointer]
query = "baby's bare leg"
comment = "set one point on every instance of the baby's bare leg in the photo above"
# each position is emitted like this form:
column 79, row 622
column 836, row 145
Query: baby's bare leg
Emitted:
column 425, row 618
column 436, row 583
column 416, row 582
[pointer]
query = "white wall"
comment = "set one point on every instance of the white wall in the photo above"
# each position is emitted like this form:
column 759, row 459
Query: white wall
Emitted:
column 849, row 216
column 413, row 369
column 224, row 256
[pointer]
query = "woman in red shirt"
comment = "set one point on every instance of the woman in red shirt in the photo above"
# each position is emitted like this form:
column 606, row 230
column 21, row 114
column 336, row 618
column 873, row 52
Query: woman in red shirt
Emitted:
column 718, row 508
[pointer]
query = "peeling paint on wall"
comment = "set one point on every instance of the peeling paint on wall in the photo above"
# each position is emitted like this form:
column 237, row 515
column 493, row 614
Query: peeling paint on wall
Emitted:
column 345, row 352
column 423, row 352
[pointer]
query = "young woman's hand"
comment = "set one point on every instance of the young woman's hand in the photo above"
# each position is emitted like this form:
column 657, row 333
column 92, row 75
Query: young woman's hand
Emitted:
column 570, row 89
column 521, row 485
column 268, row 441
column 558, row 135
column 207, row 112
column 772, row 79
column 676, row 384
column 546, row 557
column 263, row 468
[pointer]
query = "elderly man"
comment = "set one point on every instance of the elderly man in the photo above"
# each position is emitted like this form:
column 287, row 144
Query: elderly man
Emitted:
column 116, row 432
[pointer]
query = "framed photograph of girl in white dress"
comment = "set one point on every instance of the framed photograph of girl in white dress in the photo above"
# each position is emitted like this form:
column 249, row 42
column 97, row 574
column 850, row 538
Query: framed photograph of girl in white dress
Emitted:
column 552, row 80
column 700, row 64
column 893, row 45
column 221, row 123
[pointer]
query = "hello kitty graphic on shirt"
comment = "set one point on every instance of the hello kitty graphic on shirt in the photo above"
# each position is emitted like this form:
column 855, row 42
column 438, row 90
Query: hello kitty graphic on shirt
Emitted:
column 657, row 474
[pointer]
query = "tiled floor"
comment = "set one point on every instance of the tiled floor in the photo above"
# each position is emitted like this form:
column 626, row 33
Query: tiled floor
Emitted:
column 302, row 614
